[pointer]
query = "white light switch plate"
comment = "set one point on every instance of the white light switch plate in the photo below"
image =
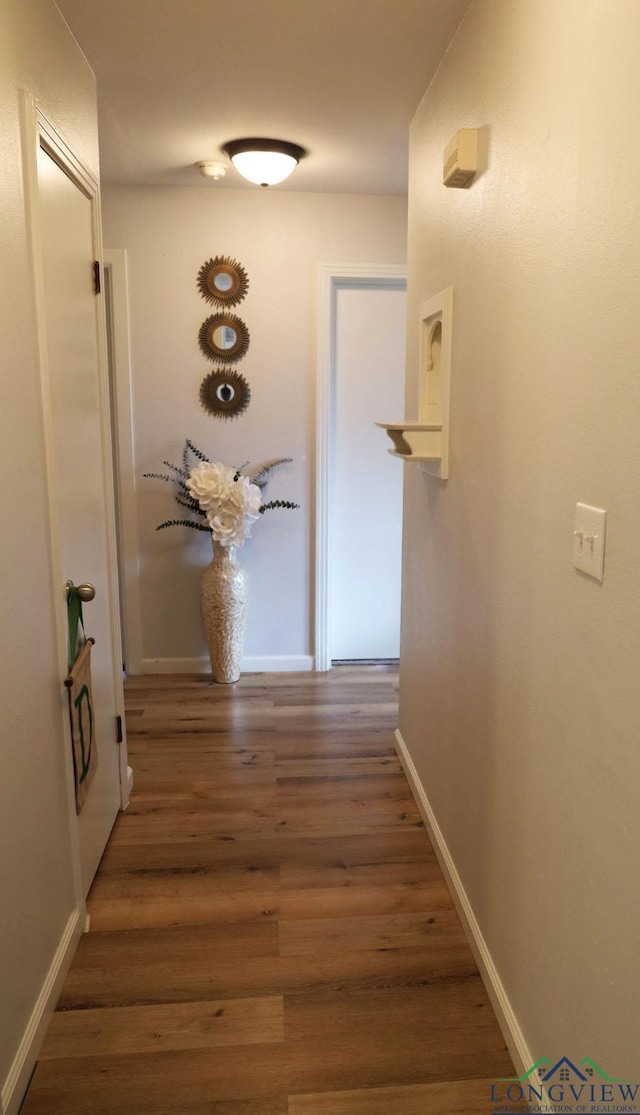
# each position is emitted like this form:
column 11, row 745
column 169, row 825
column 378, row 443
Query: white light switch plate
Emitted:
column 588, row 540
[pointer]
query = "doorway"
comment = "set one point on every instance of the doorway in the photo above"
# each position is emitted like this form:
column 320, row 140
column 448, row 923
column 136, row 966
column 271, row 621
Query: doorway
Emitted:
column 123, row 455
column 361, row 358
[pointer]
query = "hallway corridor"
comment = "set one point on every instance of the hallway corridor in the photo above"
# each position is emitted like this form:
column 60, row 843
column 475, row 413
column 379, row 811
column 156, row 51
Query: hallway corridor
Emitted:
column 270, row 930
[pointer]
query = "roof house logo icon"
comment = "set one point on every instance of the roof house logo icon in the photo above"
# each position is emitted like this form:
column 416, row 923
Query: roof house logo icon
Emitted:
column 588, row 1070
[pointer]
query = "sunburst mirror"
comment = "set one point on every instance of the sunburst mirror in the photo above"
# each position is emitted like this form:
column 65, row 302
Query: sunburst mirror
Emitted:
column 224, row 337
column 223, row 281
column 225, row 393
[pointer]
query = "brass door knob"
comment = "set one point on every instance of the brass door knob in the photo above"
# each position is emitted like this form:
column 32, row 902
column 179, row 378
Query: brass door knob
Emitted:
column 86, row 592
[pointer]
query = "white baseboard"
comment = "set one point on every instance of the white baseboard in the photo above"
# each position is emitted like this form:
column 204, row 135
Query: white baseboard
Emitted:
column 175, row 666
column 17, row 1080
column 278, row 664
column 269, row 664
column 507, row 1020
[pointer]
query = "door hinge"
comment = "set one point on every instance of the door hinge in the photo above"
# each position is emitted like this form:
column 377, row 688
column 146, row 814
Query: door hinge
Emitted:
column 96, row 277
column 118, row 729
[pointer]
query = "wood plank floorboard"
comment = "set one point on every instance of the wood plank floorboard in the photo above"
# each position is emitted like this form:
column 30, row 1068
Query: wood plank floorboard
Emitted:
column 341, row 743
column 242, row 965
column 270, row 930
column 387, row 858
column 153, row 1029
column 354, row 693
column 467, row 1097
column 195, row 900
column 322, row 718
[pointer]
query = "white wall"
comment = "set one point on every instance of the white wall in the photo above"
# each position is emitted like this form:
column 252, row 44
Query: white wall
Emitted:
column 520, row 701
column 36, row 884
column 279, row 238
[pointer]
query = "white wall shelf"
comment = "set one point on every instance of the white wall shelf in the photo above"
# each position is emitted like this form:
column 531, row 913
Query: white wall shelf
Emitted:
column 414, row 441
column 426, row 439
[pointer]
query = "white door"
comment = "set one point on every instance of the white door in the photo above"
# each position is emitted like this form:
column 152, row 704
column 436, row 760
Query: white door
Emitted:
column 79, row 488
column 365, row 519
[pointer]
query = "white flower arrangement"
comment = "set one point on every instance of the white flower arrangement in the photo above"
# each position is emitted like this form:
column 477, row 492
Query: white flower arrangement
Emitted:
column 227, row 498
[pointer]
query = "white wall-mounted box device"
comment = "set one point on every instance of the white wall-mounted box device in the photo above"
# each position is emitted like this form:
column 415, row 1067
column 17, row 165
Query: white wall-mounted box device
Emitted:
column 461, row 159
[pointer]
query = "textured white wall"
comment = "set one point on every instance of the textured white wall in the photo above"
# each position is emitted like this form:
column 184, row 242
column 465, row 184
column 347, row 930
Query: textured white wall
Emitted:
column 520, row 701
column 36, row 886
column 279, row 238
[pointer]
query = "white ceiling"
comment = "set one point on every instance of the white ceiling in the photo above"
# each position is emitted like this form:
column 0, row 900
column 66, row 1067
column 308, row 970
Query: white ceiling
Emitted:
column 178, row 78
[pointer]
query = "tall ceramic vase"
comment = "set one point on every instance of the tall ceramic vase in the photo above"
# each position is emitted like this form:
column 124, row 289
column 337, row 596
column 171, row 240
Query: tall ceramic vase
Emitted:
column 224, row 596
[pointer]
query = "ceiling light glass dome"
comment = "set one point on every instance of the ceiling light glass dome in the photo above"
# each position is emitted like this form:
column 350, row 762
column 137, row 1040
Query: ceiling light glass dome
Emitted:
column 264, row 161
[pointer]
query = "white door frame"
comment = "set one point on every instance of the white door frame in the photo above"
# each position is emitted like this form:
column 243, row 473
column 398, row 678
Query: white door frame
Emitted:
column 115, row 260
column 39, row 131
column 330, row 278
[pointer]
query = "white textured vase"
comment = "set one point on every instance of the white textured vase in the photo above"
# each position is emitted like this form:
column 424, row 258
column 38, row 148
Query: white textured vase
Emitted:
column 224, row 596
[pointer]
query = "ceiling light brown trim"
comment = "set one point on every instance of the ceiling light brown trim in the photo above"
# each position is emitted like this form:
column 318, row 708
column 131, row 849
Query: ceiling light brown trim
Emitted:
column 281, row 146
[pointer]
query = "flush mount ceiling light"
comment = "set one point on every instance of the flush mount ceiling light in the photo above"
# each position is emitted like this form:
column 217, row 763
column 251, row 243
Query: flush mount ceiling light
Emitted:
column 264, row 161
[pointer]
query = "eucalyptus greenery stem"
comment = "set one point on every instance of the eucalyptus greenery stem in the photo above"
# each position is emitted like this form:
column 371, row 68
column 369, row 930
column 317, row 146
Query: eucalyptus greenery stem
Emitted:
column 182, row 476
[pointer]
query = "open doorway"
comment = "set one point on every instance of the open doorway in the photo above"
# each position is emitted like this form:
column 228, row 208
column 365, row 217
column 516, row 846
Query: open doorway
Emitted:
column 121, row 403
column 361, row 360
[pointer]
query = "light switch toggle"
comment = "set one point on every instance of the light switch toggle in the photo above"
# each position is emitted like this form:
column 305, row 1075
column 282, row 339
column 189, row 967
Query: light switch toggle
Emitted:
column 589, row 539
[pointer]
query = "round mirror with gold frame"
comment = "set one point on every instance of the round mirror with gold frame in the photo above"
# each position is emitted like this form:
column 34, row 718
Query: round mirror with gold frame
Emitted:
column 225, row 393
column 223, row 281
column 224, row 337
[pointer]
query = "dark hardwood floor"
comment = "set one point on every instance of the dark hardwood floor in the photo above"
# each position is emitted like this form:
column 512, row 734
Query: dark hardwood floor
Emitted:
column 270, row 930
